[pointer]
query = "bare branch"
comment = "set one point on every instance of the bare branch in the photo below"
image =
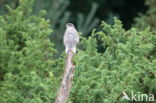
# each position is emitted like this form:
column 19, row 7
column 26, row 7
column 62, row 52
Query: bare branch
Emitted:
column 66, row 83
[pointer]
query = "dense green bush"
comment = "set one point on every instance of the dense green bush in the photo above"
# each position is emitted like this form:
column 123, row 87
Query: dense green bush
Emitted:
column 29, row 73
column 126, row 64
column 59, row 15
column 27, row 63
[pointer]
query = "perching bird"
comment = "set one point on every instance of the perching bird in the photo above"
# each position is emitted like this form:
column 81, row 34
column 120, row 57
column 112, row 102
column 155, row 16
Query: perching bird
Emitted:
column 71, row 38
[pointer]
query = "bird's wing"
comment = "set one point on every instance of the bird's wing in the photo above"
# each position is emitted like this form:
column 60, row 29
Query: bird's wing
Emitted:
column 71, row 36
column 65, row 38
column 76, row 37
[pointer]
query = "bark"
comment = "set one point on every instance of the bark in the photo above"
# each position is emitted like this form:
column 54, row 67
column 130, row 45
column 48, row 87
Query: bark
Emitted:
column 66, row 83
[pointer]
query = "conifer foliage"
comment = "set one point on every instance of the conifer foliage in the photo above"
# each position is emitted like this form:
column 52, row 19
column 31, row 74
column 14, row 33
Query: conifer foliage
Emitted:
column 29, row 73
column 126, row 64
column 26, row 66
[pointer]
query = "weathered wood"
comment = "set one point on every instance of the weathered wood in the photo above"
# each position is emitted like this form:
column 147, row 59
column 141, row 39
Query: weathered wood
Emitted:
column 66, row 83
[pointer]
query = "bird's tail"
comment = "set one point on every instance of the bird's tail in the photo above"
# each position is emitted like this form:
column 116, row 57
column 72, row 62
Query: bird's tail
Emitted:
column 71, row 49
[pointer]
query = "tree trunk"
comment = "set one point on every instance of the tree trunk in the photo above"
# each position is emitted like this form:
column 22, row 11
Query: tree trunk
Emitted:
column 66, row 83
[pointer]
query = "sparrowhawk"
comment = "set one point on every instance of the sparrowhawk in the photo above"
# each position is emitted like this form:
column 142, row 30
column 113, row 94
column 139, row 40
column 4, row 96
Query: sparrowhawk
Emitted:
column 71, row 38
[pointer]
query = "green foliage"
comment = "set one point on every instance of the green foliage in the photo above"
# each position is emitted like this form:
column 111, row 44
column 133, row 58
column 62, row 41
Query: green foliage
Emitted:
column 27, row 63
column 126, row 64
column 59, row 15
column 149, row 19
column 29, row 73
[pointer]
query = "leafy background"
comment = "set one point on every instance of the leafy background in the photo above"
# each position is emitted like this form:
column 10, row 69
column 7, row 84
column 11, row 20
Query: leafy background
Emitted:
column 114, row 55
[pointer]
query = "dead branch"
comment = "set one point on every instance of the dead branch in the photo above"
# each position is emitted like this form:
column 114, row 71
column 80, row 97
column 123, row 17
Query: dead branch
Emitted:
column 66, row 83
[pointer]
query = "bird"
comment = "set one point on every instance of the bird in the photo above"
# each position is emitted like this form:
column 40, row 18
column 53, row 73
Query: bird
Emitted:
column 71, row 38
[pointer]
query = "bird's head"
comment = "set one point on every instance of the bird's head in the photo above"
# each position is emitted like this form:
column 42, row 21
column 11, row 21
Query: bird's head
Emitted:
column 70, row 25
